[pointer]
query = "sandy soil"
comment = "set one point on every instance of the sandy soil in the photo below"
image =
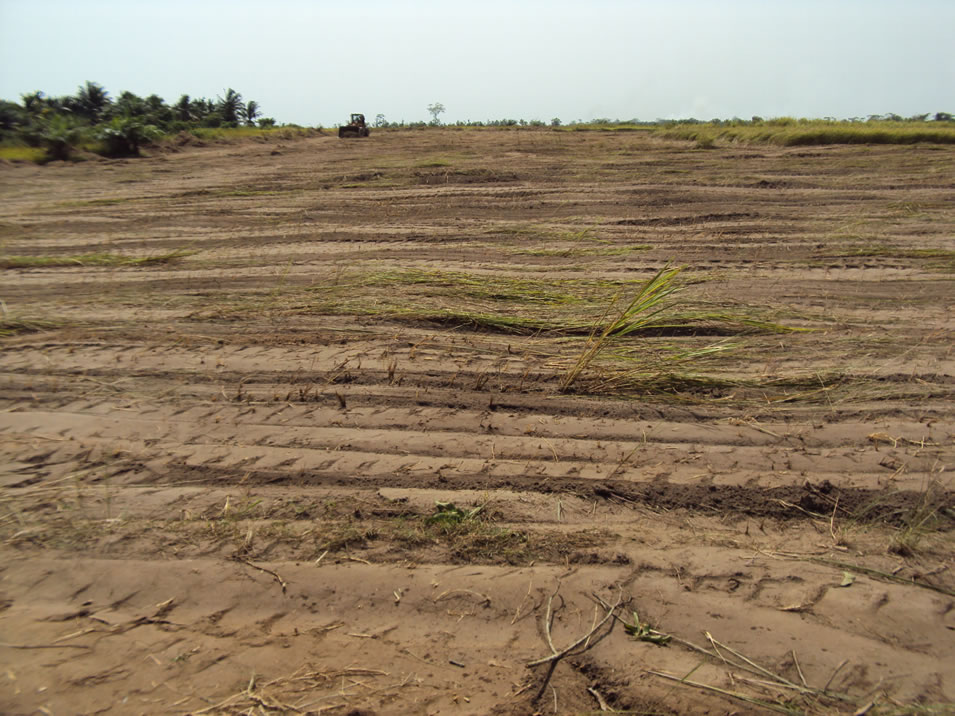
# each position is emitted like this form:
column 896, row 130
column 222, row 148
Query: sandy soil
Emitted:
column 226, row 477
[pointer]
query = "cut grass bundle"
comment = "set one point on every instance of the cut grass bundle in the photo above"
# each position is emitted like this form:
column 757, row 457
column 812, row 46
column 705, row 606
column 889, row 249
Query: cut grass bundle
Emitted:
column 11, row 326
column 642, row 309
column 479, row 286
column 101, row 259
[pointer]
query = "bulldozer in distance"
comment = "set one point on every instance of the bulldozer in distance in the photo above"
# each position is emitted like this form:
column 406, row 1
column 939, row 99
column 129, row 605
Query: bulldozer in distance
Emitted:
column 355, row 128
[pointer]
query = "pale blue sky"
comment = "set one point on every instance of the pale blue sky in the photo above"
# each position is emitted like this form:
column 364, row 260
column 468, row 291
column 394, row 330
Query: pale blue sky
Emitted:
column 313, row 62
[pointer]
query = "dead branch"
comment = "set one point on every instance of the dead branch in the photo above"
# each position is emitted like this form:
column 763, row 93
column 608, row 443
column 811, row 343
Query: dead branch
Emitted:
column 557, row 655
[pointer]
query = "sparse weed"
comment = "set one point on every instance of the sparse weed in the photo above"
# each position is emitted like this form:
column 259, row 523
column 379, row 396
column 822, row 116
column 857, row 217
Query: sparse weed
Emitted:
column 921, row 520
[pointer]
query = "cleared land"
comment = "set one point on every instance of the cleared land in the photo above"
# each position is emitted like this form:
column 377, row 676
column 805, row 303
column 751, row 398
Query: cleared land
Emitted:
column 289, row 427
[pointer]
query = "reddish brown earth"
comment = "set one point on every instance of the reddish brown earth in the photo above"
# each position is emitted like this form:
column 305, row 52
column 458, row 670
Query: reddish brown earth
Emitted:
column 220, row 473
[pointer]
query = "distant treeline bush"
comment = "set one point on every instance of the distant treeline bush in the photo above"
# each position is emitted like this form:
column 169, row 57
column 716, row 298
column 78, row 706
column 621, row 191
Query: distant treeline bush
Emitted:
column 42, row 128
column 786, row 131
column 55, row 126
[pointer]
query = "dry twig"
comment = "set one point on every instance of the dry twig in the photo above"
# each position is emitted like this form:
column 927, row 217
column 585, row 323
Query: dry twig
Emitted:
column 584, row 641
column 281, row 581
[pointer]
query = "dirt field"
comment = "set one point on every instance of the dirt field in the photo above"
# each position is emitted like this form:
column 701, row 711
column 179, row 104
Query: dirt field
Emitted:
column 322, row 451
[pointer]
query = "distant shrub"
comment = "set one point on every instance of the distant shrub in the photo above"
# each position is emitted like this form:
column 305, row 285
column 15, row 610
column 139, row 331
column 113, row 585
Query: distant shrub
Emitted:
column 123, row 136
column 60, row 135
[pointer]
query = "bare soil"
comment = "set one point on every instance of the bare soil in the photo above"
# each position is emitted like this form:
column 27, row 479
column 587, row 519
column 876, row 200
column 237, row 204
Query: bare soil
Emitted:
column 324, row 462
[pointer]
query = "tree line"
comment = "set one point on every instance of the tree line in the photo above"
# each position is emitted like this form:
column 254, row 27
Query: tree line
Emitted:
column 435, row 109
column 119, row 126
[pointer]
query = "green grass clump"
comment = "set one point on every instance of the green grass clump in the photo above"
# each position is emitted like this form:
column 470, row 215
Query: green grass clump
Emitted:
column 37, row 155
column 101, row 259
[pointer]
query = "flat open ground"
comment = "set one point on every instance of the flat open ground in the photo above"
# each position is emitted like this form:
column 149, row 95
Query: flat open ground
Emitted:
column 321, row 453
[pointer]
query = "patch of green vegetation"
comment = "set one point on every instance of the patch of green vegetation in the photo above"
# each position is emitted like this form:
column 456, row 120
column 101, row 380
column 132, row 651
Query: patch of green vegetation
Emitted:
column 648, row 302
column 929, row 515
column 790, row 132
column 434, row 163
column 523, row 229
column 234, row 134
column 96, row 202
column 475, row 320
column 514, row 304
column 598, row 126
column 473, row 285
column 246, row 192
column 576, row 251
column 101, row 259
column 891, row 252
column 36, row 155
column 642, row 631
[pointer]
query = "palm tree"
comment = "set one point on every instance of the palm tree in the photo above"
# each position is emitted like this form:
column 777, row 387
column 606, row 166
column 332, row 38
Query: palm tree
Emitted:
column 250, row 112
column 230, row 107
column 33, row 102
column 129, row 105
column 182, row 110
column 201, row 108
column 91, row 101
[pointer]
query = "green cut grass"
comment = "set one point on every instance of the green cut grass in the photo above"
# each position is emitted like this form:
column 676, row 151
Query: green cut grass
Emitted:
column 519, row 305
column 890, row 252
column 101, row 259
column 477, row 286
column 11, row 326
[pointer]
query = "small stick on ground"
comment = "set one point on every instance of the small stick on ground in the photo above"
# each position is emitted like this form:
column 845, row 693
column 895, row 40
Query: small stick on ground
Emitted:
column 623, row 461
column 832, row 522
column 799, row 670
column 604, row 706
column 724, row 692
column 556, row 656
column 281, row 581
column 4, row 645
column 517, row 614
column 449, row 592
column 825, row 688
